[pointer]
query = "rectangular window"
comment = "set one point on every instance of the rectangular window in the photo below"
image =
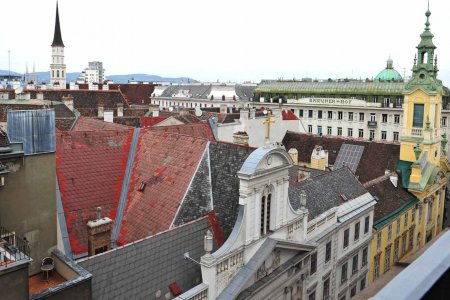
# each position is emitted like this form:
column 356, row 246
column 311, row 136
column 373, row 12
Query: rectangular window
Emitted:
column 384, row 118
column 411, row 239
column 350, row 132
column 309, row 128
column 326, row 289
column 389, row 233
column 444, row 121
column 378, row 241
column 383, row 135
column 310, row 113
column 328, row 252
column 301, row 113
column 405, row 223
column 330, row 115
column 373, row 118
column 366, row 224
column 339, row 115
column 350, row 116
column 364, row 256
column 319, row 130
column 362, row 284
column 396, row 250
column 339, row 131
column 418, row 115
column 313, row 266
column 319, row 114
column 355, row 264
column 312, row 296
column 361, row 117
column 346, row 234
column 387, row 260
column 395, row 136
column 413, row 215
column 372, row 135
column 398, row 226
column 356, row 231
column 329, row 130
column 344, row 273
column 353, row 291
column 361, row 133
column 376, row 268
column 403, row 243
column 396, row 119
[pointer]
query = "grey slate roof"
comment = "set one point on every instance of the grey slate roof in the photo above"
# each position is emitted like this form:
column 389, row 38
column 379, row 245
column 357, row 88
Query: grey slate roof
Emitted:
column 140, row 269
column 323, row 191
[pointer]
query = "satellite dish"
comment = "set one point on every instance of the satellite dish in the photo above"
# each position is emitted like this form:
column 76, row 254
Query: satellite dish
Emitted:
column 198, row 112
column 171, row 108
column 265, row 112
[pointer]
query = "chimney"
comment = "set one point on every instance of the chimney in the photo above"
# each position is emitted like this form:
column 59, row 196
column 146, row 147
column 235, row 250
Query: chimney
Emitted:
column 155, row 113
column 223, row 108
column 120, row 109
column 276, row 112
column 252, row 113
column 302, row 200
column 394, row 179
column 40, row 96
column 294, row 155
column 99, row 234
column 100, row 110
column 68, row 101
column 319, row 158
column 241, row 138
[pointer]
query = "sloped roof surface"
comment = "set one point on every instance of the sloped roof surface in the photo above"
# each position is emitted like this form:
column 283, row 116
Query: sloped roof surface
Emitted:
column 287, row 114
column 90, row 124
column 139, row 270
column 202, row 130
column 376, row 158
column 323, row 192
column 352, row 87
column 135, row 93
column 166, row 163
column 90, row 170
column 390, row 197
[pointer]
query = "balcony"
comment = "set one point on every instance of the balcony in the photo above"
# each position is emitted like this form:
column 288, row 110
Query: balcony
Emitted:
column 372, row 124
column 421, row 133
column 13, row 250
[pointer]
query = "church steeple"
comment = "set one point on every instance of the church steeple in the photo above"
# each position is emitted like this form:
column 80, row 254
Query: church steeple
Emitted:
column 57, row 39
column 425, row 68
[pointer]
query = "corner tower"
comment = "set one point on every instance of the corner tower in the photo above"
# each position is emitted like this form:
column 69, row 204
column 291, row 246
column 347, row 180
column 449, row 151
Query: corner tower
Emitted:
column 57, row 67
column 421, row 132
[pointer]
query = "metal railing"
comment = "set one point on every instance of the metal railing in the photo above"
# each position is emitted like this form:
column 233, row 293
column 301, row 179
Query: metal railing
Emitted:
column 12, row 248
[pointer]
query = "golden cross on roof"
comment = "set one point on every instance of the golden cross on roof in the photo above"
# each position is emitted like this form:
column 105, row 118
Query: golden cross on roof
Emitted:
column 267, row 122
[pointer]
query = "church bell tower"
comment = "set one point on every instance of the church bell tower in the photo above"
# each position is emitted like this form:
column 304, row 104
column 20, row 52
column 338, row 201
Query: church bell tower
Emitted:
column 421, row 132
column 57, row 67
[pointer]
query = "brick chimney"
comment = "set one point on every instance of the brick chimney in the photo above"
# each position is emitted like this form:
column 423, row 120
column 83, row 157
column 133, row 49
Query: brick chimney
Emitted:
column 223, row 108
column 68, row 101
column 319, row 158
column 99, row 234
column 294, row 155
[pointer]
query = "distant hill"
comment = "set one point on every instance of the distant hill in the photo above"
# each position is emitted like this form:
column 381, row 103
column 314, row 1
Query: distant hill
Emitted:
column 45, row 77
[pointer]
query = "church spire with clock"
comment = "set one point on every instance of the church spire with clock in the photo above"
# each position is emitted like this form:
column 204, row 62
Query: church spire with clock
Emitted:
column 57, row 67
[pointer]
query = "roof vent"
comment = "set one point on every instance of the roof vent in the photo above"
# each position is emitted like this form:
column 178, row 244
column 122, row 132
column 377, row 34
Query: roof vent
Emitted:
column 142, row 186
column 343, row 197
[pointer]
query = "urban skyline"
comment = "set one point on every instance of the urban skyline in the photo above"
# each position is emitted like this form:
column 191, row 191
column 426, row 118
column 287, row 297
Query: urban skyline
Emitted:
column 265, row 42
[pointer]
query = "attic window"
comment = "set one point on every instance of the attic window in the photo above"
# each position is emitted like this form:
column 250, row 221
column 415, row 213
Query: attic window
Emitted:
column 343, row 197
column 142, row 186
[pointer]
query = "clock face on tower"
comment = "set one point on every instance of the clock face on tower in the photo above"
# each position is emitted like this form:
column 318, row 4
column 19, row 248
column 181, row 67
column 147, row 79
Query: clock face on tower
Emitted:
column 421, row 77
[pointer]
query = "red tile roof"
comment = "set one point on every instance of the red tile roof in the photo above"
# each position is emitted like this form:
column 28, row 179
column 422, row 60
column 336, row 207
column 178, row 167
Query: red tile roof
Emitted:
column 200, row 130
column 90, row 170
column 288, row 115
column 135, row 93
column 90, row 124
column 150, row 121
column 166, row 163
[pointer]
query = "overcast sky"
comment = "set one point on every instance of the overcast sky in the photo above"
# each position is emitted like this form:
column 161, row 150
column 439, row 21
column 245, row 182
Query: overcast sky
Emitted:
column 233, row 40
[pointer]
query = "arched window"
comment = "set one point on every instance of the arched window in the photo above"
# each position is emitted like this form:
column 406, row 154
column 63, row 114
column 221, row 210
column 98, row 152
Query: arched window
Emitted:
column 424, row 57
column 53, row 73
column 57, row 73
column 265, row 211
column 62, row 73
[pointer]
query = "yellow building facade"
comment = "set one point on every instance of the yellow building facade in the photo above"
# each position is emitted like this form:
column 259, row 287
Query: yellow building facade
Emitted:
column 424, row 169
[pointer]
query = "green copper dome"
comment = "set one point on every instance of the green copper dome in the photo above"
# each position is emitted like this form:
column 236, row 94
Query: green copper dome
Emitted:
column 389, row 74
